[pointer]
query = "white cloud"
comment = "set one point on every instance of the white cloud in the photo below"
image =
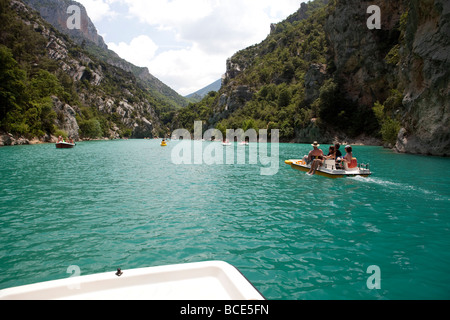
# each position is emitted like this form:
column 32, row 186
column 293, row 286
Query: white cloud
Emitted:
column 98, row 9
column 212, row 29
column 187, row 70
column 140, row 51
column 169, row 13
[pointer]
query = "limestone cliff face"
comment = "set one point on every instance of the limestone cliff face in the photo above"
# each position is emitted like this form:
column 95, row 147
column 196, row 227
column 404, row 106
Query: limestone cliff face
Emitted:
column 127, row 108
column 56, row 14
column 409, row 55
column 422, row 73
column 358, row 53
column 425, row 75
column 66, row 118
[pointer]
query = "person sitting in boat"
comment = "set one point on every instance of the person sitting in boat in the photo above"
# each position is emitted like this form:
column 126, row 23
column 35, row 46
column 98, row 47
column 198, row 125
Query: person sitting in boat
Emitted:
column 348, row 159
column 349, row 156
column 320, row 160
column 315, row 153
column 338, row 156
column 338, row 152
column 332, row 154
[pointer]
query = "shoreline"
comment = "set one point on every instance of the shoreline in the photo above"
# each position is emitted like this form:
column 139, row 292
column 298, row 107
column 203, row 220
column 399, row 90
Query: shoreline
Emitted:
column 8, row 140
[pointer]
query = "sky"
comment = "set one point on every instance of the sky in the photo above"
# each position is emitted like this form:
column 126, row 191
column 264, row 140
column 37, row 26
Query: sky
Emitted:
column 185, row 43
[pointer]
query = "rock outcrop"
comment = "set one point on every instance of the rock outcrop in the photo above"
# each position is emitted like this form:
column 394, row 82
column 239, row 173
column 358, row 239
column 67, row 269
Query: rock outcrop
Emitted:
column 422, row 73
column 56, row 14
column 425, row 76
column 66, row 118
column 409, row 56
column 358, row 52
column 94, row 89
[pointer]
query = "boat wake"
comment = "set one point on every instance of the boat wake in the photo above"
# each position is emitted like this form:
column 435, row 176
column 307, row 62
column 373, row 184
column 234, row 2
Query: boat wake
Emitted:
column 399, row 186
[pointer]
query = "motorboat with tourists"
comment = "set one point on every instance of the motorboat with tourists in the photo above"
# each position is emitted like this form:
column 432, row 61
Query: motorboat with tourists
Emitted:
column 209, row 280
column 332, row 169
column 64, row 145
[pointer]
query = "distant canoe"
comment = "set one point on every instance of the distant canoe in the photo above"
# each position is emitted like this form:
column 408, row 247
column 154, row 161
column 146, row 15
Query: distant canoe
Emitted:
column 64, row 145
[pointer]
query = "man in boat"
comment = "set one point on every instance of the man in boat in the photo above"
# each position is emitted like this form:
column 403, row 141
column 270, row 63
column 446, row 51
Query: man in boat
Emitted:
column 319, row 162
column 338, row 152
column 315, row 153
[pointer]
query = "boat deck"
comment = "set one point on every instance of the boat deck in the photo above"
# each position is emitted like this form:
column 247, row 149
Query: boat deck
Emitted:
column 214, row 280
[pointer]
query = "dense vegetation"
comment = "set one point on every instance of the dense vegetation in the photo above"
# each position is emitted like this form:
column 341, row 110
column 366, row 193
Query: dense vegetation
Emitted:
column 29, row 79
column 25, row 81
column 275, row 71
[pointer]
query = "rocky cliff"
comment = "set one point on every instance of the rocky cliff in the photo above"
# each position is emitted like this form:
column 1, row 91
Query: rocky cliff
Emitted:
column 411, row 56
column 424, row 72
column 55, row 12
column 322, row 72
column 89, row 97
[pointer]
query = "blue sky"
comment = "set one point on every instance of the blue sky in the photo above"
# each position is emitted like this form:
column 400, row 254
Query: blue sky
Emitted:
column 185, row 43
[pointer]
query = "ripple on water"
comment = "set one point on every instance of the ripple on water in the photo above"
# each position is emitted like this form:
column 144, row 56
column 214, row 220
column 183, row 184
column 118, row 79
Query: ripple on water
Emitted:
column 104, row 205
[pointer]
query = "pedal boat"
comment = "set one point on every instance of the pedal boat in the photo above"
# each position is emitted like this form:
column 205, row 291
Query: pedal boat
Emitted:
column 330, row 170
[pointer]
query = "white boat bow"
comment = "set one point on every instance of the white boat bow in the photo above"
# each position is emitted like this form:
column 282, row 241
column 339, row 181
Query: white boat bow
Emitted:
column 214, row 280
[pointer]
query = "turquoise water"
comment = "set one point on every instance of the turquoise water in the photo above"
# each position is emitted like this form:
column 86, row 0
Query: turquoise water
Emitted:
column 104, row 205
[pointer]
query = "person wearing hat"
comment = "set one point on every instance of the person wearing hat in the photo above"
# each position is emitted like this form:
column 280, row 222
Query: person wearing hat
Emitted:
column 315, row 153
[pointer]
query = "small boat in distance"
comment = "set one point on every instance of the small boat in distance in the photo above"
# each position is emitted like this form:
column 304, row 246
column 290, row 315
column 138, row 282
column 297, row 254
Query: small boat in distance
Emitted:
column 64, row 145
column 164, row 143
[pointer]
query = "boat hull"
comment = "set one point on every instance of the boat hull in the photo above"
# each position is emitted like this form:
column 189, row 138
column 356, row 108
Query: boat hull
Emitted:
column 64, row 145
column 211, row 280
column 329, row 173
